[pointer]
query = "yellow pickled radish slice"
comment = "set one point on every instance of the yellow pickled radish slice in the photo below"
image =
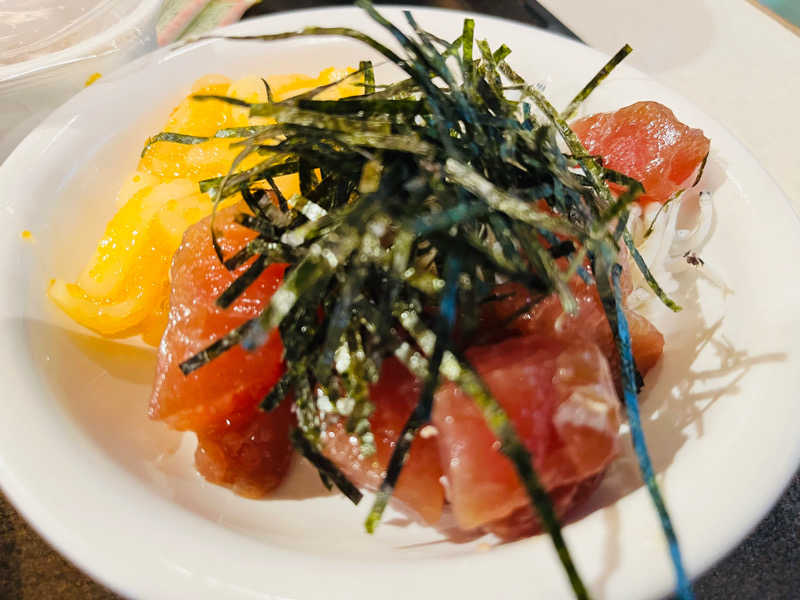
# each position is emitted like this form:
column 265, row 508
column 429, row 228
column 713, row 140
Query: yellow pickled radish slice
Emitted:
column 152, row 328
column 289, row 185
column 167, row 160
column 142, row 289
column 111, row 318
column 124, row 239
column 133, row 183
column 286, row 86
column 124, row 289
column 202, row 117
column 250, row 89
column 138, row 304
column 175, row 217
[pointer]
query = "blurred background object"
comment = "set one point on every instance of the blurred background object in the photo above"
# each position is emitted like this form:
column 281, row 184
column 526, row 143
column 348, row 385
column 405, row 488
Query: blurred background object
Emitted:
column 788, row 9
column 181, row 19
column 522, row 11
column 50, row 49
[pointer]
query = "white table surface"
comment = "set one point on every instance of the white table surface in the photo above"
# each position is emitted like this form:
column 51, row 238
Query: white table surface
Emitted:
column 733, row 60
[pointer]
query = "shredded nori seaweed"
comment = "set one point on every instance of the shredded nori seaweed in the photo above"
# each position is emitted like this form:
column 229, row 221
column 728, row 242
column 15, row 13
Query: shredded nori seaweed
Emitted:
column 416, row 199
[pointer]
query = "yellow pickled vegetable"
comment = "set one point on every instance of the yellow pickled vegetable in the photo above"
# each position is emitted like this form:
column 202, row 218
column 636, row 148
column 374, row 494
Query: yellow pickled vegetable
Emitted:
column 124, row 288
column 128, row 275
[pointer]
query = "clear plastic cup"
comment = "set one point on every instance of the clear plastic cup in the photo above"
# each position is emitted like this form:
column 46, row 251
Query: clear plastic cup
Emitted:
column 49, row 49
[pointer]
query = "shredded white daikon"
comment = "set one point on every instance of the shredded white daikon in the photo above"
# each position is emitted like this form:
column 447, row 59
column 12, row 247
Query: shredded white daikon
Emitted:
column 676, row 231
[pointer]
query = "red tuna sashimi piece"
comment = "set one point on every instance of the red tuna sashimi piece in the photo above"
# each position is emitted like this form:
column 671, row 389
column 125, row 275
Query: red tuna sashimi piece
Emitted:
column 219, row 400
column 562, row 402
column 547, row 318
column 419, row 490
column 249, row 452
column 647, row 142
column 524, row 521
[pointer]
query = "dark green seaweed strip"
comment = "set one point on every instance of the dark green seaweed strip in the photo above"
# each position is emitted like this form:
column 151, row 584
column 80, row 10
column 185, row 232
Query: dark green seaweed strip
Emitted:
column 278, row 392
column 569, row 112
column 593, row 171
column 250, row 176
column 284, row 385
column 595, row 174
column 425, row 224
column 421, row 414
column 365, row 107
column 432, row 38
column 240, row 132
column 486, row 255
column 623, row 341
column 325, row 481
column 419, row 417
column 322, row 31
column 291, row 114
column 537, row 253
column 464, row 375
column 268, row 90
column 325, row 193
column 310, row 273
column 254, row 203
column 340, row 319
column 561, row 249
column 283, row 204
column 650, row 228
column 178, row 138
column 240, row 257
column 307, row 275
column 365, row 66
column 324, row 465
column 590, row 167
column 241, row 283
column 384, row 141
column 701, row 170
column 402, row 89
column 225, row 99
column 505, row 202
column 228, row 341
column 501, row 230
column 350, row 131
column 307, row 177
column 420, row 68
column 648, row 276
column 246, row 151
column 622, row 224
column 628, row 197
column 273, row 251
column 305, row 95
column 467, row 43
column 257, row 223
column 501, row 53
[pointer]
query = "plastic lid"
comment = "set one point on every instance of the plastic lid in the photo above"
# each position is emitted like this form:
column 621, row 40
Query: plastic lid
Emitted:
column 36, row 35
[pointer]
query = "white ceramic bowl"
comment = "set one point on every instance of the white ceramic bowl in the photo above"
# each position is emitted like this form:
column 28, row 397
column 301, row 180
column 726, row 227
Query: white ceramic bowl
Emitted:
column 118, row 494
